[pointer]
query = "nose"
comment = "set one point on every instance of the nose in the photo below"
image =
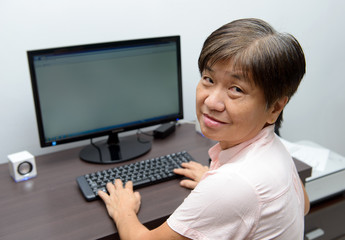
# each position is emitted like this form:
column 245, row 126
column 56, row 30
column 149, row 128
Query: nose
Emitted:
column 215, row 101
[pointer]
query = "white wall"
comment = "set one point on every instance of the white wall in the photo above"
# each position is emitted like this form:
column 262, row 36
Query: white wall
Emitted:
column 315, row 113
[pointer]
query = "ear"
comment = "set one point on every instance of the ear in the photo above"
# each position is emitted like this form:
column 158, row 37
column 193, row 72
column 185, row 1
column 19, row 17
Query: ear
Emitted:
column 276, row 108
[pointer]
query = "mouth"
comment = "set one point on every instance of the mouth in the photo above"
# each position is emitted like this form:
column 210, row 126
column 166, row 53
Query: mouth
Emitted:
column 212, row 122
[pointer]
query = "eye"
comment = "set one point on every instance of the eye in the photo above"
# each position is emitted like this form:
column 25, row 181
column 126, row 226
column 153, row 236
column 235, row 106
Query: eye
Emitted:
column 235, row 92
column 236, row 89
column 207, row 80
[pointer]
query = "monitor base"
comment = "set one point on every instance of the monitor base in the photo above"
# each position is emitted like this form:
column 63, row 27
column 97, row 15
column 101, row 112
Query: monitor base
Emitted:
column 125, row 149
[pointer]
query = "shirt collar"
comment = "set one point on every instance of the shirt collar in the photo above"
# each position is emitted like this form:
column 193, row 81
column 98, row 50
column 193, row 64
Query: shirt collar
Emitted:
column 220, row 157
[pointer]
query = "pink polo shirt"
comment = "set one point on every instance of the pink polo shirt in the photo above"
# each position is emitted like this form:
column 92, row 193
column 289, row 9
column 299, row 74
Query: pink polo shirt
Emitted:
column 252, row 191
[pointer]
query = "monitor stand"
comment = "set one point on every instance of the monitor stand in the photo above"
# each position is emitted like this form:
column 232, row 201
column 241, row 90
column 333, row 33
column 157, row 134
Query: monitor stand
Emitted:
column 115, row 150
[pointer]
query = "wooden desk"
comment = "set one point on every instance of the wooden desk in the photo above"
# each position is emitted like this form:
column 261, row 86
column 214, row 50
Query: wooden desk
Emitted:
column 51, row 206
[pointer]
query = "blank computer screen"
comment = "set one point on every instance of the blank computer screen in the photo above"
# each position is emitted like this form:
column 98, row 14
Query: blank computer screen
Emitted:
column 95, row 90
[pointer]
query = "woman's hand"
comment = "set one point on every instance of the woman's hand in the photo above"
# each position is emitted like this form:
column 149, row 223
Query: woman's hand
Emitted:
column 192, row 170
column 121, row 200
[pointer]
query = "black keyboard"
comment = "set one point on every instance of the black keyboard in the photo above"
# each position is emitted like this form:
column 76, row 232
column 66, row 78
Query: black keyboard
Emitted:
column 141, row 173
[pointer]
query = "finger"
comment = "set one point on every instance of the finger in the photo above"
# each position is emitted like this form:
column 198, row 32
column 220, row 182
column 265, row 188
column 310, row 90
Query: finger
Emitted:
column 191, row 164
column 137, row 196
column 118, row 184
column 180, row 171
column 129, row 185
column 104, row 196
column 188, row 184
column 194, row 166
column 186, row 165
column 138, row 199
column 110, row 188
column 184, row 172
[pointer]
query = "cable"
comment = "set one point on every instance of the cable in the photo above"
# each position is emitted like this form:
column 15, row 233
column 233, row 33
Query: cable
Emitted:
column 144, row 133
column 139, row 132
column 98, row 149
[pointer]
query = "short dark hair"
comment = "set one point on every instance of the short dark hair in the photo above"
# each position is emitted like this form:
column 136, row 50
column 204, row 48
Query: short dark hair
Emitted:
column 273, row 61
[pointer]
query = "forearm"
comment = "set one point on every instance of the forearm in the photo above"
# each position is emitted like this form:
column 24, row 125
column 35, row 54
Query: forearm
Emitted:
column 129, row 227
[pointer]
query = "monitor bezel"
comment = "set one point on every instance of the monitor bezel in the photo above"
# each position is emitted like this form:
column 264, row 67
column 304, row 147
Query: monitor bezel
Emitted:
column 31, row 54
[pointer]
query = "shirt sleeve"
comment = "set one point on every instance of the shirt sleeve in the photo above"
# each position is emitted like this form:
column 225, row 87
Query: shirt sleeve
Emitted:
column 222, row 206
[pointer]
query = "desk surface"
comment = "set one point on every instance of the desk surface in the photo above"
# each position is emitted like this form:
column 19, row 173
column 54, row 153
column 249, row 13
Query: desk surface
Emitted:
column 51, row 206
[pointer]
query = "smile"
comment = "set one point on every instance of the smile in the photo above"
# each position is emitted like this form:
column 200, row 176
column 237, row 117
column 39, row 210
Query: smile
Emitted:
column 211, row 122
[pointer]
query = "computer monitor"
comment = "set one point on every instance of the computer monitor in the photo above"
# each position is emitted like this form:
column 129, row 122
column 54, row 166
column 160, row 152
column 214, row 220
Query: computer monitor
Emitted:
column 87, row 91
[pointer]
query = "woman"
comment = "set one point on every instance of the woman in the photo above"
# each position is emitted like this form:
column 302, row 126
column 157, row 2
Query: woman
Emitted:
column 252, row 189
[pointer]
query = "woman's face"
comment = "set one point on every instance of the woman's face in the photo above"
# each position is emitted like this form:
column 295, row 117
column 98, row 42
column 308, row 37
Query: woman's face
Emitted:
column 230, row 108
